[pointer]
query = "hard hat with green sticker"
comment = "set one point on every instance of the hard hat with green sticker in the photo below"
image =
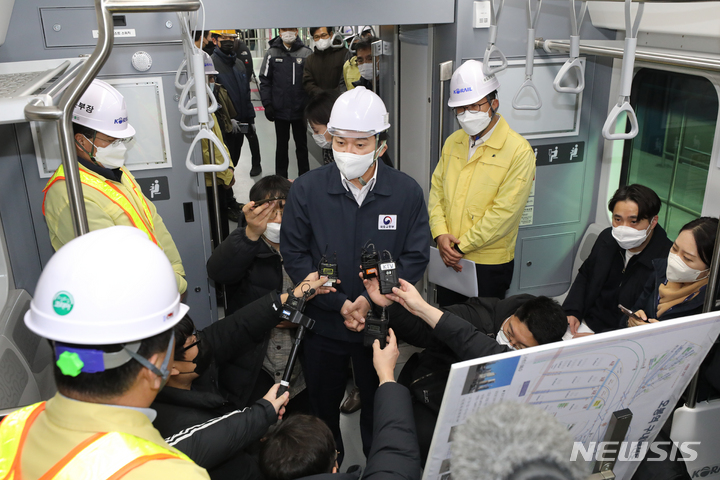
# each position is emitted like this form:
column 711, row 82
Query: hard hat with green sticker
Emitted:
column 70, row 363
column 63, row 303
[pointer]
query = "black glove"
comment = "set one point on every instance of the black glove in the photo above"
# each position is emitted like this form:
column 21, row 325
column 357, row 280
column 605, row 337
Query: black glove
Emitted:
column 270, row 113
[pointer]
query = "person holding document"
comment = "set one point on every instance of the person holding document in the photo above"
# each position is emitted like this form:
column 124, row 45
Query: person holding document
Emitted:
column 480, row 186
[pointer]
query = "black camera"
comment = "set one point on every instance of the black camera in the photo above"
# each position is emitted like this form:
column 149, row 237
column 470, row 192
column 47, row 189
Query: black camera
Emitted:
column 387, row 274
column 289, row 307
column 369, row 260
column 376, row 328
column 329, row 269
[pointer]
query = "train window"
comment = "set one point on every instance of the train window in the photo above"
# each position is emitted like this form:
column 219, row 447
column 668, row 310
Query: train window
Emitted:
column 671, row 154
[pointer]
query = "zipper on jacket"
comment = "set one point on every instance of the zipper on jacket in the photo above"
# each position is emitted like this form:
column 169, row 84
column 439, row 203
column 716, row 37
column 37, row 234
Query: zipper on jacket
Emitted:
column 293, row 73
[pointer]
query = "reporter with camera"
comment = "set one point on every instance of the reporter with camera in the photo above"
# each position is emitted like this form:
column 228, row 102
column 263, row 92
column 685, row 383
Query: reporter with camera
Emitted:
column 196, row 411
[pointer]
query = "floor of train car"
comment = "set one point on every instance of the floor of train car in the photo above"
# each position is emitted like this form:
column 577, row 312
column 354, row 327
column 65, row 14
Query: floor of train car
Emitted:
column 349, row 424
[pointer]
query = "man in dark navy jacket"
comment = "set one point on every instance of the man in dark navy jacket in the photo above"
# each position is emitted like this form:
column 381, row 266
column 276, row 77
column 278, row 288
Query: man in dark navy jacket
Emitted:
column 333, row 211
column 233, row 75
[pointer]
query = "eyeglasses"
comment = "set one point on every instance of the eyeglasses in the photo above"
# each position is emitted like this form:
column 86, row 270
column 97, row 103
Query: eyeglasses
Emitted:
column 113, row 143
column 197, row 340
column 320, row 36
column 474, row 108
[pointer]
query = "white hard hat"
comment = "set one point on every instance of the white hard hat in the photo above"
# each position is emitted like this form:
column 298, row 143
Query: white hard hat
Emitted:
column 103, row 109
column 469, row 84
column 106, row 287
column 358, row 113
column 209, row 65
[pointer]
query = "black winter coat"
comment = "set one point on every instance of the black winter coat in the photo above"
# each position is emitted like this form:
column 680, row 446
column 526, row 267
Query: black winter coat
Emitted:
column 249, row 270
column 465, row 331
column 648, row 300
column 204, row 422
column 395, row 454
column 233, row 75
column 281, row 77
column 603, row 280
column 323, row 70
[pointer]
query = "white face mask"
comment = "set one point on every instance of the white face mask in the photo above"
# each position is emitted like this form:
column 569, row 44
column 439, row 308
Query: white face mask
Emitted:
column 474, row 123
column 628, row 237
column 288, row 37
column 323, row 43
column 272, row 232
column 353, row 166
column 678, row 271
column 112, row 156
column 320, row 139
column 502, row 339
column 365, row 71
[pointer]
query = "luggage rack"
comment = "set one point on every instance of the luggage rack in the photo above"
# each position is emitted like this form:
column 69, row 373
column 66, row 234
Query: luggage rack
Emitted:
column 44, row 110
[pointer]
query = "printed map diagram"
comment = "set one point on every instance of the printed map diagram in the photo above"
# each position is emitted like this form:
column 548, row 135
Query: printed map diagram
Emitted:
column 582, row 382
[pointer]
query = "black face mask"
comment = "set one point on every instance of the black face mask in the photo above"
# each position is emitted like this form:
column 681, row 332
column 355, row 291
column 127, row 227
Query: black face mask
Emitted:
column 209, row 48
column 226, row 46
column 204, row 357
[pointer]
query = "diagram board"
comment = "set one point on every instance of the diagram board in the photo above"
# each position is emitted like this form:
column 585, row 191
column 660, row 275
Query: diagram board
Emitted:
column 582, row 382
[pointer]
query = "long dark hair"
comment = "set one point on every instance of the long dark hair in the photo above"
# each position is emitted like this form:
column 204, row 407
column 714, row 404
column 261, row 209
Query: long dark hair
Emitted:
column 703, row 230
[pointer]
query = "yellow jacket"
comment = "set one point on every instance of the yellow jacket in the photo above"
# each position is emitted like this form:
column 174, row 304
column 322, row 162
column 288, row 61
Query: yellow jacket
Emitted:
column 481, row 201
column 351, row 73
column 103, row 213
column 65, row 423
column 224, row 178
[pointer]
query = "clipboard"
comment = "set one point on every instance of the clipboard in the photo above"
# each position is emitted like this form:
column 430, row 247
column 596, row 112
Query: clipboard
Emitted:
column 464, row 283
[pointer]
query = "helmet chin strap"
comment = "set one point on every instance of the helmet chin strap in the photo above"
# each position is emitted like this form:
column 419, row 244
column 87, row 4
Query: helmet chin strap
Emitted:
column 362, row 180
column 89, row 154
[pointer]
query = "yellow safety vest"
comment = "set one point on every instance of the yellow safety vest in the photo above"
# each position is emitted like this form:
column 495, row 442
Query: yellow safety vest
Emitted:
column 142, row 221
column 103, row 456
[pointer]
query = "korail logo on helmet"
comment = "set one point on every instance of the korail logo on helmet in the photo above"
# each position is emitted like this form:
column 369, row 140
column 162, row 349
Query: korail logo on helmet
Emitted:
column 121, row 120
column 462, row 90
column 63, row 303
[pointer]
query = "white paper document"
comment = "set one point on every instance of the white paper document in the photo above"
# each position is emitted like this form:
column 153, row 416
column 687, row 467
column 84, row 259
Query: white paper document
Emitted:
column 464, row 283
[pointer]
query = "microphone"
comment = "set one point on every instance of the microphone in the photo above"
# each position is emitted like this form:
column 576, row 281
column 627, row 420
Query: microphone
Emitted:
column 514, row 441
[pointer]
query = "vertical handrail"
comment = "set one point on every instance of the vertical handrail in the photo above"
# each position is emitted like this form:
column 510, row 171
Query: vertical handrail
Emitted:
column 445, row 73
column 708, row 306
column 377, row 50
column 62, row 113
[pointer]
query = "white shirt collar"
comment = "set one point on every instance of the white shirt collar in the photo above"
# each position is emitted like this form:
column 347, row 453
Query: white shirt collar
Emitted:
column 360, row 193
column 474, row 144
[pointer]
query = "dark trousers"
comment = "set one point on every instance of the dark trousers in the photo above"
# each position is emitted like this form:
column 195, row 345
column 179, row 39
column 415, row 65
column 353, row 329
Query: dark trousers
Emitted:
column 224, row 226
column 324, row 362
column 493, row 281
column 282, row 132
column 234, row 143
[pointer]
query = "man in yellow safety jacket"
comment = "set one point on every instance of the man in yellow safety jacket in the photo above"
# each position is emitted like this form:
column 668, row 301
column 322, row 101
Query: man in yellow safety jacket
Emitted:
column 112, row 196
column 480, row 186
column 109, row 319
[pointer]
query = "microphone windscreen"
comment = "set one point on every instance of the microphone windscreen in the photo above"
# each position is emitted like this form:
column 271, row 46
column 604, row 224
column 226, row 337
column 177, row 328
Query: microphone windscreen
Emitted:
column 511, row 440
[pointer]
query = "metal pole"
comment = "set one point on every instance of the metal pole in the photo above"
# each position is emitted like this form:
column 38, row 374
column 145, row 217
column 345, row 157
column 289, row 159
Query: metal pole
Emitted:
column 376, row 52
column 444, row 75
column 216, row 213
column 643, row 55
column 708, row 306
column 62, row 113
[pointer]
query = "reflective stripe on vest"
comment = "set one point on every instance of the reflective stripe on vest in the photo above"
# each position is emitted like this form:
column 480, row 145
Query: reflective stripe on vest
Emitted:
column 143, row 221
column 103, row 456
column 13, row 430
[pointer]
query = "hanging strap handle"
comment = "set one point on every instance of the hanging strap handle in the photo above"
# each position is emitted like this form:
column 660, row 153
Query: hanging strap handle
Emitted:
column 491, row 48
column 207, row 134
column 573, row 63
column 529, row 61
column 626, row 76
